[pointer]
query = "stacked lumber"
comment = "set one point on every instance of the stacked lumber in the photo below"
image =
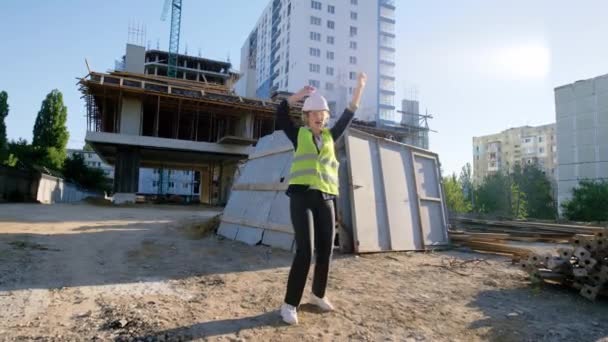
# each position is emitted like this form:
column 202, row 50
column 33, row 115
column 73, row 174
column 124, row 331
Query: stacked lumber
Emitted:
column 583, row 265
column 516, row 238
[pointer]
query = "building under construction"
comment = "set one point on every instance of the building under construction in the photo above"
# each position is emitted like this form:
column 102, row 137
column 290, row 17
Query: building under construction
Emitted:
column 138, row 117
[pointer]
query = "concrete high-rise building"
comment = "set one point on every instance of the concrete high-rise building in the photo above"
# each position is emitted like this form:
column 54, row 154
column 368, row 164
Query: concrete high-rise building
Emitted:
column 582, row 133
column 416, row 123
column 324, row 43
column 515, row 146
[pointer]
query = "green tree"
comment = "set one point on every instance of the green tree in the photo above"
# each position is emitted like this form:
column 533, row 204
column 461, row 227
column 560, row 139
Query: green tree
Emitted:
column 589, row 202
column 499, row 195
column 455, row 198
column 50, row 131
column 87, row 147
column 22, row 154
column 538, row 191
column 75, row 170
column 466, row 182
column 3, row 114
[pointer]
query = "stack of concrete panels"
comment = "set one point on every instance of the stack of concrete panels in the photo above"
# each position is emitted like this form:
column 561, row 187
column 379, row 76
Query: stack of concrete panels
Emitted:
column 258, row 209
column 391, row 195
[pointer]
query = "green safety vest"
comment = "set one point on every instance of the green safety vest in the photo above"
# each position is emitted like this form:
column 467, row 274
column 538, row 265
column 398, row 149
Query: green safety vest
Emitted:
column 318, row 169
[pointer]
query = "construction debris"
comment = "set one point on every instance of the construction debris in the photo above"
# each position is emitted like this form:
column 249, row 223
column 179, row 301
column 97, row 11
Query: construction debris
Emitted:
column 572, row 255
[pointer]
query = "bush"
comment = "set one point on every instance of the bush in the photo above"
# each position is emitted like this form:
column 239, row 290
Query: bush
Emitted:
column 589, row 202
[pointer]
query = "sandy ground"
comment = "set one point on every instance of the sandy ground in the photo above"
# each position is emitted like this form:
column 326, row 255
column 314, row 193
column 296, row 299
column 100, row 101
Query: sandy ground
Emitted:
column 82, row 272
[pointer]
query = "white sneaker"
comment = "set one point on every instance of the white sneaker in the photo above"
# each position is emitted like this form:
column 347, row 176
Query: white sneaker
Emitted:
column 322, row 303
column 289, row 314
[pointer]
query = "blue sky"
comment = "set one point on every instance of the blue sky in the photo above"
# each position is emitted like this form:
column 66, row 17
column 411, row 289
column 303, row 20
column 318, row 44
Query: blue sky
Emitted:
column 478, row 66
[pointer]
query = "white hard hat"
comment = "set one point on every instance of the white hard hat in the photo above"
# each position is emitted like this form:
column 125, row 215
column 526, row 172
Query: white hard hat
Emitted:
column 315, row 102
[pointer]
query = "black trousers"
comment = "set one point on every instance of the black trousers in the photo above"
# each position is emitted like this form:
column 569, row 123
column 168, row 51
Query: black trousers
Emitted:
column 310, row 212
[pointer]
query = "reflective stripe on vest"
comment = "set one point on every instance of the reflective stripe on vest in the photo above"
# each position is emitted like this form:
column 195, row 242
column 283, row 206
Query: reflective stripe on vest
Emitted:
column 316, row 168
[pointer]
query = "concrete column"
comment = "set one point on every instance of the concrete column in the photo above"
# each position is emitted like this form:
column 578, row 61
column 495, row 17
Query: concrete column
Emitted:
column 130, row 116
column 245, row 126
column 155, row 71
column 205, row 187
column 227, row 179
column 126, row 175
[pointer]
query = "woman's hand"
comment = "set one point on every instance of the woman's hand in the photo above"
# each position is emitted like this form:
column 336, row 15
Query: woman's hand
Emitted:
column 302, row 93
column 361, row 82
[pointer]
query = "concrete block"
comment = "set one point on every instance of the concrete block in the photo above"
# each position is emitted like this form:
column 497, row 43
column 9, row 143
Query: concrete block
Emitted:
column 124, row 198
column 586, row 154
column 564, row 94
column 603, row 170
column 278, row 239
column 585, row 137
column 565, row 155
column 567, row 171
column 602, row 101
column 583, row 88
column 565, row 125
column 565, row 109
column 586, row 171
column 249, row 235
column 586, row 105
column 585, row 121
column 228, row 230
column 601, row 84
column 602, row 116
column 566, row 140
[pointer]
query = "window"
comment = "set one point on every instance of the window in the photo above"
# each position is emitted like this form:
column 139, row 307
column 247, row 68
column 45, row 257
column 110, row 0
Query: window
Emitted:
column 329, row 71
column 353, row 31
column 331, row 24
column 330, row 40
column 527, row 140
column 387, row 99
column 353, row 2
column 331, row 9
column 350, row 90
column 352, row 60
column 315, row 21
column 329, row 86
column 540, row 139
column 332, row 106
column 314, row 68
column 387, row 41
column 386, row 55
column 314, row 83
column 187, row 173
column 315, row 5
column 353, row 15
column 352, row 75
column 315, row 36
column 330, row 55
column 185, row 185
column 155, row 184
column 315, row 52
column 387, row 27
column 353, row 45
column 541, row 150
column 387, row 70
column 387, row 83
column 171, row 184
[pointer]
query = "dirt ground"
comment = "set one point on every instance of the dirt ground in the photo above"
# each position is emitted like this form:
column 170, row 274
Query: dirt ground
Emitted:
column 83, row 272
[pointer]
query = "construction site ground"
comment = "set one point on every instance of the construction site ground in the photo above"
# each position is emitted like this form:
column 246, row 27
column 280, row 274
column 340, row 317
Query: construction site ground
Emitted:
column 151, row 273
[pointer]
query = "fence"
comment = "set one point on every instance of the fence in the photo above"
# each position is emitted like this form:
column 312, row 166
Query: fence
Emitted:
column 22, row 185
